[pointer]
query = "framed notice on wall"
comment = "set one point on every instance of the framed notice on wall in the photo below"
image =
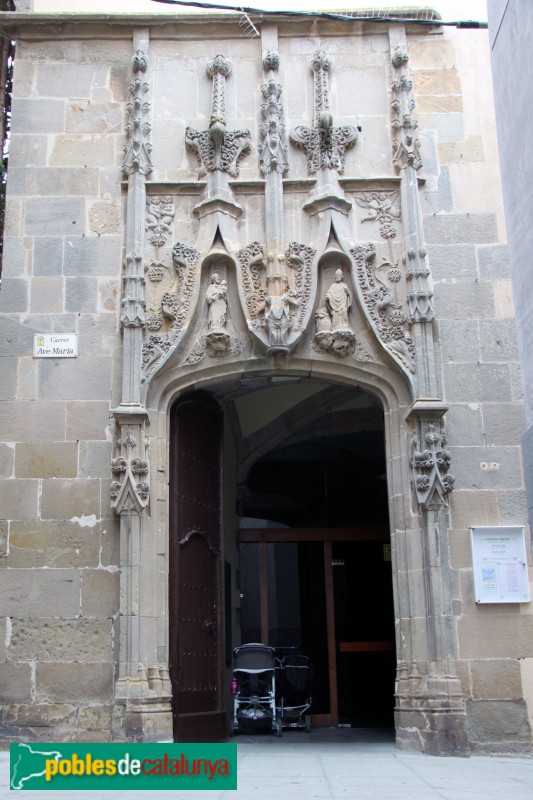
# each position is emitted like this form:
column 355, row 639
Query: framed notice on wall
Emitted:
column 500, row 564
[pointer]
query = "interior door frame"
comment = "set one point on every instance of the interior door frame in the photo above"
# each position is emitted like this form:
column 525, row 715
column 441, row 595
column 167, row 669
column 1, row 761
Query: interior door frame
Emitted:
column 264, row 536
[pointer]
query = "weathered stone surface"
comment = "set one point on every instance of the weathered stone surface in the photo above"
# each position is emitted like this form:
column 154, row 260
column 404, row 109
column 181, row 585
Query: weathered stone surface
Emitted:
column 46, row 460
column 26, row 149
column 40, row 593
column 459, row 339
column 40, row 716
column 437, row 81
column 496, row 679
column 449, row 127
column 485, row 382
column 53, row 181
column 87, row 420
column 81, row 294
column 498, row 726
column 84, row 116
column 9, row 373
column 23, row 421
column 48, row 256
column 61, row 640
column 15, row 682
column 95, row 718
column 470, row 150
column 72, row 151
column 449, row 262
column 61, row 543
column 498, row 340
column 14, row 295
column 4, row 528
column 19, row 499
column 487, row 467
column 513, row 508
column 473, row 508
column 461, row 228
column 504, row 424
column 95, row 459
column 14, row 258
column 464, row 425
column 82, row 378
column 37, row 115
column 64, row 80
column 65, row 499
column 62, row 215
column 439, row 104
column 504, row 306
column 100, row 592
column 93, row 255
column 108, row 294
column 490, row 635
column 493, row 261
column 104, row 218
column 74, row 683
column 7, row 461
column 441, row 200
column 47, row 295
column 464, row 299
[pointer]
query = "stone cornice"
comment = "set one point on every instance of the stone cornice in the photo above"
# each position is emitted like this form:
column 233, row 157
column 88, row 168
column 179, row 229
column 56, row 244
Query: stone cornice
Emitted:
column 32, row 25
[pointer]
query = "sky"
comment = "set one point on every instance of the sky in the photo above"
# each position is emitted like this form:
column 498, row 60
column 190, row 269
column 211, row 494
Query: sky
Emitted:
column 449, row 9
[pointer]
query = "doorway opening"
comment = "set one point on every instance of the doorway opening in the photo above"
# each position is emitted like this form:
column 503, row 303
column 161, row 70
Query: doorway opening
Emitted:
column 279, row 533
column 315, row 559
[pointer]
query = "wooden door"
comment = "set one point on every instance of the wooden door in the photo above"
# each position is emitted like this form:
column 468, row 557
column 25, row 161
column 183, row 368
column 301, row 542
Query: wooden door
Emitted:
column 195, row 571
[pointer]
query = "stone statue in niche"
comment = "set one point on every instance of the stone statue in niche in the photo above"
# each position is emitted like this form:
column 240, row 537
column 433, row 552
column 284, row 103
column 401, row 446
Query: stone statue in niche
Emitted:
column 333, row 331
column 216, row 297
column 338, row 301
column 217, row 340
column 278, row 317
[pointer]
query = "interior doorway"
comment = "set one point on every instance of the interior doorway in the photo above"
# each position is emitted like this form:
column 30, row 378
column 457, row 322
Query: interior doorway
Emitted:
column 315, row 560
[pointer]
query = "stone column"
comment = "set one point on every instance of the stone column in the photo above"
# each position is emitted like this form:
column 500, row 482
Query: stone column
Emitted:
column 142, row 707
column 430, row 709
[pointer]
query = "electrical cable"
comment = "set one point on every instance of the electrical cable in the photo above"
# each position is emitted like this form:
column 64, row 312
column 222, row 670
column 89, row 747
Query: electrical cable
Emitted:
column 348, row 16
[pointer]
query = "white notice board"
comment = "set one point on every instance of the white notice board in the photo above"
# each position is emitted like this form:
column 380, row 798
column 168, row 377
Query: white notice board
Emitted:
column 500, row 564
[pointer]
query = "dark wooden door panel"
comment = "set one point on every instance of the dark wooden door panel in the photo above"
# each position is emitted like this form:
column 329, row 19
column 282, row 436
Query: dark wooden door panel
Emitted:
column 195, row 582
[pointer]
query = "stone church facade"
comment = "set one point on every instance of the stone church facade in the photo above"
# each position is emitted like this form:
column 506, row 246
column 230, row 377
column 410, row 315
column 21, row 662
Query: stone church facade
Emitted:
column 271, row 239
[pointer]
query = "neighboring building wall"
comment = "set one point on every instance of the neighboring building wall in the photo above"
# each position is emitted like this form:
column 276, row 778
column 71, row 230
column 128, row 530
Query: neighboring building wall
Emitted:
column 70, row 223
column 511, row 28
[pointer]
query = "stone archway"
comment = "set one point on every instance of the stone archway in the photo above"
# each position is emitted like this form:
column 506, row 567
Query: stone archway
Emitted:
column 429, row 707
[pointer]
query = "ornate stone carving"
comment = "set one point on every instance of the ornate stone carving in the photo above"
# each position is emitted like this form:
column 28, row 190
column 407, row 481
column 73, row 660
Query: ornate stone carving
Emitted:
column 333, row 331
column 384, row 310
column 218, row 149
column 420, row 298
column 430, row 462
column 380, row 206
column 324, row 145
column 276, row 300
column 252, row 263
column 217, row 340
column 272, row 150
column 171, row 311
column 406, row 146
column 130, row 491
column 133, row 303
column 137, row 149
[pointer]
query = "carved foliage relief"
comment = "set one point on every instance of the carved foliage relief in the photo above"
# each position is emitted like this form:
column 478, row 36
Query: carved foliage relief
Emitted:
column 382, row 275
column 260, row 274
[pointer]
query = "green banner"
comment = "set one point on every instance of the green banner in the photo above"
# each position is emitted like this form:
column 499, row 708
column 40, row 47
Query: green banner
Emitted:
column 123, row 766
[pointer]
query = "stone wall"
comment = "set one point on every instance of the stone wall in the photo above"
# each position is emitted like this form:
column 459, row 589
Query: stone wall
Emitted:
column 68, row 230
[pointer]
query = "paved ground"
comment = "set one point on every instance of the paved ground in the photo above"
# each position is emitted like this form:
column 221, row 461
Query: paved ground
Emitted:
column 343, row 765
